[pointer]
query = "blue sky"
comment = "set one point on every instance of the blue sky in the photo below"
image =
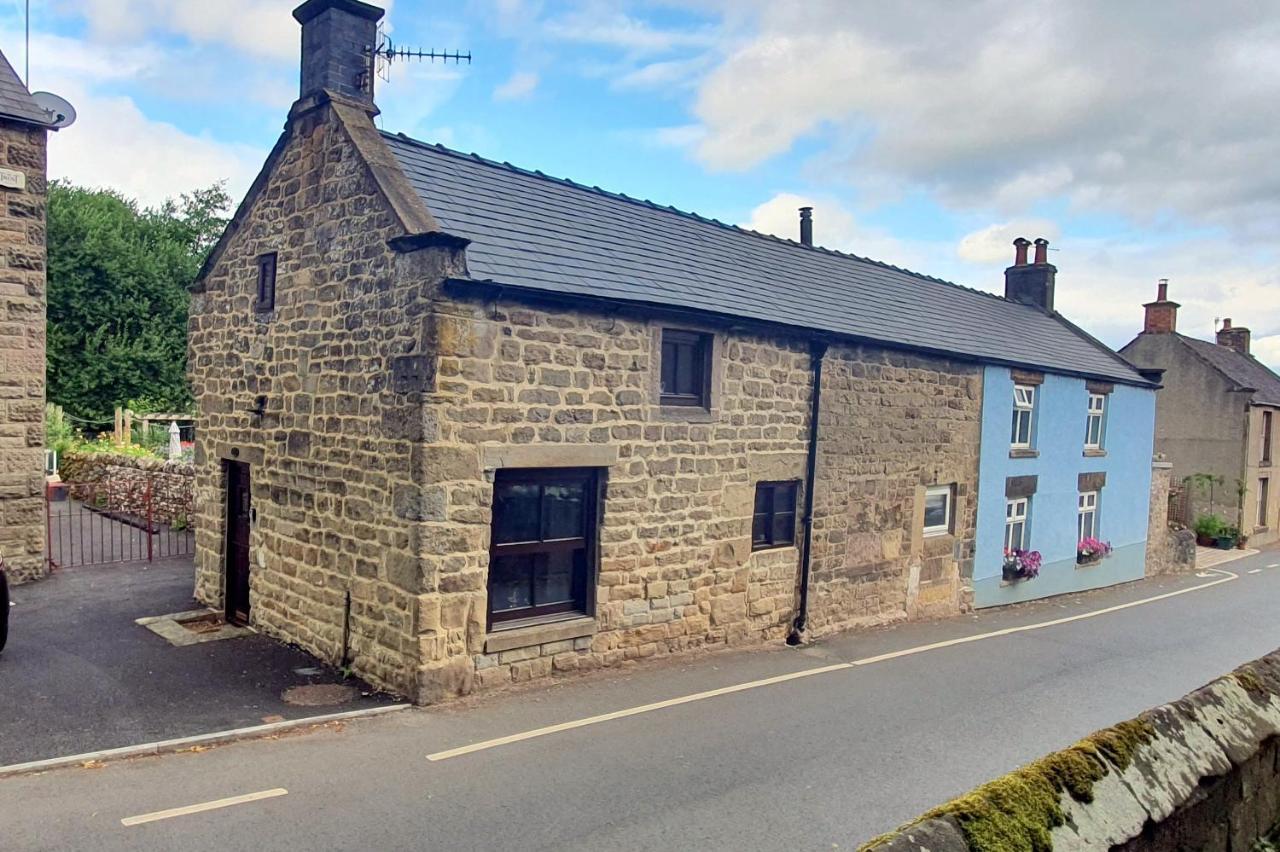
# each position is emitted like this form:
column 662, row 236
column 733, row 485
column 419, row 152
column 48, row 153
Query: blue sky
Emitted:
column 926, row 133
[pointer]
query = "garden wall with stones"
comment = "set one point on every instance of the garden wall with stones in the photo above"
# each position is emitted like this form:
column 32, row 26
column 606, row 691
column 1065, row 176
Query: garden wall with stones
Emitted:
column 1169, row 550
column 1201, row 773
column 121, row 484
column 22, row 353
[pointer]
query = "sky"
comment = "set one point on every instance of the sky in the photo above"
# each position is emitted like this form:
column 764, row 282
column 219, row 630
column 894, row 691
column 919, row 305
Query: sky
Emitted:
column 1138, row 138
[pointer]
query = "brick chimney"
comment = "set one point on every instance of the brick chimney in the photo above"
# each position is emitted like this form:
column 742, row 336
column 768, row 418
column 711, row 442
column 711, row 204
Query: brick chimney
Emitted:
column 1162, row 315
column 337, row 37
column 1234, row 337
column 1031, row 283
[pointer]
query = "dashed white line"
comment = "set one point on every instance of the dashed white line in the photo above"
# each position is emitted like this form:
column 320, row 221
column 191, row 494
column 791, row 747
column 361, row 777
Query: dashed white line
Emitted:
column 1255, row 570
column 1223, row 577
column 204, row 806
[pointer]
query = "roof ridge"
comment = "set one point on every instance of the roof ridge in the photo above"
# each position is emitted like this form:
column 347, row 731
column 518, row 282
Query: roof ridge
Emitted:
column 688, row 214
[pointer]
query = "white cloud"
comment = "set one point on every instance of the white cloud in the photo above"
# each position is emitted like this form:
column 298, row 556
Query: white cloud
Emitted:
column 518, row 86
column 994, row 243
column 1100, row 102
column 262, row 28
column 604, row 24
column 834, row 227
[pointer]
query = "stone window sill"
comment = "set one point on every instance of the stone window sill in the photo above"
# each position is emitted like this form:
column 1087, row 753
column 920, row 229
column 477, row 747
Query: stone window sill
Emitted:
column 1024, row 453
column 687, row 414
column 1095, row 453
column 528, row 635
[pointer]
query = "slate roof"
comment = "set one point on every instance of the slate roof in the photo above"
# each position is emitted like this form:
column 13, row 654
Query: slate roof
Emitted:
column 533, row 231
column 15, row 100
column 1245, row 370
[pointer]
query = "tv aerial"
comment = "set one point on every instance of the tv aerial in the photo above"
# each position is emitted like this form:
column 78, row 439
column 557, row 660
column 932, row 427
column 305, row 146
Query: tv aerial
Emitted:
column 59, row 111
column 387, row 52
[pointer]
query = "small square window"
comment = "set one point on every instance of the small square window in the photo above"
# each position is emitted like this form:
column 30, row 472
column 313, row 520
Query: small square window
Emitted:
column 1094, row 421
column 938, row 502
column 774, row 521
column 686, row 368
column 266, row 300
column 1024, row 404
column 1015, row 523
column 1087, row 517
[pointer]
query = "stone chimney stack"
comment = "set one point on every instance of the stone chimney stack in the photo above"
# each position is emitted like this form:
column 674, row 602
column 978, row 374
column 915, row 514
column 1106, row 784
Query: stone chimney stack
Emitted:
column 1234, row 337
column 338, row 37
column 1162, row 315
column 1031, row 283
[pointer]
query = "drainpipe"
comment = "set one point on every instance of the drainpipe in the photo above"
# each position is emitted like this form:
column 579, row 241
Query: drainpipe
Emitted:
column 817, row 351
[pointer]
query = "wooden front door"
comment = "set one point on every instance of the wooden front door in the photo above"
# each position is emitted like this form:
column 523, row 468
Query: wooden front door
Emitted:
column 237, row 575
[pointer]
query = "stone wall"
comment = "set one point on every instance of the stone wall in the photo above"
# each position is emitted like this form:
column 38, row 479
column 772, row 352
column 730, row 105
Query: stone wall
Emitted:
column 1200, row 773
column 22, row 353
column 317, row 397
column 520, row 386
column 124, row 481
column 892, row 424
column 1169, row 551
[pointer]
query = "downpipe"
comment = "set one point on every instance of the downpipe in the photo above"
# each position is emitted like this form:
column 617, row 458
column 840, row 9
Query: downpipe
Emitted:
column 817, row 352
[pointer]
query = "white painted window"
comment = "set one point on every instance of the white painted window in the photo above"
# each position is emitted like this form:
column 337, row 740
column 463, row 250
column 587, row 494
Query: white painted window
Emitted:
column 1093, row 424
column 938, row 502
column 1024, row 405
column 1087, row 517
column 1015, row 523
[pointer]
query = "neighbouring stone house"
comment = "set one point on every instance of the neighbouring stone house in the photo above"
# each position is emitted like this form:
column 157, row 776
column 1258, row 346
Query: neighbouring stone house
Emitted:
column 23, row 130
column 462, row 424
column 1216, row 414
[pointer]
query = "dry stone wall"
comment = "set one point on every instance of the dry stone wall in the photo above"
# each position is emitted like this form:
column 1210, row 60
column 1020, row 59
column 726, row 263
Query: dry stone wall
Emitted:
column 22, row 353
column 1169, row 550
column 123, row 481
column 306, row 395
column 892, row 424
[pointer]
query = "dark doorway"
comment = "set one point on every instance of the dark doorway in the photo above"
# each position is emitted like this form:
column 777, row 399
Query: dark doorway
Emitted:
column 237, row 576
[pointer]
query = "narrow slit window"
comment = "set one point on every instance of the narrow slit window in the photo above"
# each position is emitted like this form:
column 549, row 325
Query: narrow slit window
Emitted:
column 266, row 300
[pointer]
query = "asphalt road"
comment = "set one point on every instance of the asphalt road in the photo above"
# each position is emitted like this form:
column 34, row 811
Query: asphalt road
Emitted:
column 814, row 762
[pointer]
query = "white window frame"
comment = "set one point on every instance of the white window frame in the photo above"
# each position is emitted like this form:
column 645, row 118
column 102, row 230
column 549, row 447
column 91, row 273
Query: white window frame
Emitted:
column 1016, row 511
column 1024, row 407
column 948, row 492
column 1087, row 506
column 1097, row 415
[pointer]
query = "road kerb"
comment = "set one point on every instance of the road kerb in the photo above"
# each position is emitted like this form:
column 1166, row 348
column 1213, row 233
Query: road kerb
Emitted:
column 214, row 738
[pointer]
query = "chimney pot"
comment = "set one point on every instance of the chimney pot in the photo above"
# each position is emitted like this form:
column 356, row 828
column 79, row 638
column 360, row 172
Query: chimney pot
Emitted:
column 1042, row 250
column 1234, row 337
column 1020, row 251
column 806, row 226
column 1030, row 284
column 1161, row 315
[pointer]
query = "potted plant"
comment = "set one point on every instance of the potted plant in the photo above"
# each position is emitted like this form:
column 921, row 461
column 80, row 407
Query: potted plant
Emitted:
column 1090, row 550
column 1208, row 528
column 1226, row 539
column 1021, row 564
column 1242, row 540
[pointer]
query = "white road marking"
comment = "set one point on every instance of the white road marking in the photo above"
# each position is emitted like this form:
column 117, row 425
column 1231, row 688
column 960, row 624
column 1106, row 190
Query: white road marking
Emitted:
column 483, row 745
column 632, row 711
column 204, row 806
column 1255, row 570
column 964, row 640
column 1274, row 565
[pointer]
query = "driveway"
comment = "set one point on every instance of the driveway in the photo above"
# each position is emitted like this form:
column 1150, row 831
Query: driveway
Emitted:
column 79, row 675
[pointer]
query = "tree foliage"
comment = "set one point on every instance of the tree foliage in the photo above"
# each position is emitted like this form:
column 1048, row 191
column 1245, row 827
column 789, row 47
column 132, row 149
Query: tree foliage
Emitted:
column 118, row 295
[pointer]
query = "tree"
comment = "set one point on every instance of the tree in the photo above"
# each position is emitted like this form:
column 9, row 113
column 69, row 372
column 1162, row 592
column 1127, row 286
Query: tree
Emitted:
column 118, row 295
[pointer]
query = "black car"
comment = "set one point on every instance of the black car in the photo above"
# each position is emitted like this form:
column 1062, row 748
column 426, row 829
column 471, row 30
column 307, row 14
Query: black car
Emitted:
column 4, row 606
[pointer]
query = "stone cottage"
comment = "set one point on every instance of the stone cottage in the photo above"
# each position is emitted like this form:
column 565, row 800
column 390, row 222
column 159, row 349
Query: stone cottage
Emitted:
column 23, row 131
column 462, row 424
column 1216, row 414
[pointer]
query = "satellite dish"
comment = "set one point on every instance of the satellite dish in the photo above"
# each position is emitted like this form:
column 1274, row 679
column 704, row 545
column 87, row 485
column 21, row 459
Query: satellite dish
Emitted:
column 60, row 112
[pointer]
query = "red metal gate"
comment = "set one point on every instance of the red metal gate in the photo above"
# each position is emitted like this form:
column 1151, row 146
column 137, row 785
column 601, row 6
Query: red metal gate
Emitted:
column 96, row 523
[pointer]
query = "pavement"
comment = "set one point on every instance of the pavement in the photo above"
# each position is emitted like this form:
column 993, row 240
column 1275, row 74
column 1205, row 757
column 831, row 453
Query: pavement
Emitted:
column 799, row 748
column 79, row 675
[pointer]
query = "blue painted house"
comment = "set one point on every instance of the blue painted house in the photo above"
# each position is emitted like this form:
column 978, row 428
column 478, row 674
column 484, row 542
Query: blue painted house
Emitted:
column 1064, row 458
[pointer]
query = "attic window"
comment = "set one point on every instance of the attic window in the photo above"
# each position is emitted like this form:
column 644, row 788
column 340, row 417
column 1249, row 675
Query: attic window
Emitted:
column 266, row 300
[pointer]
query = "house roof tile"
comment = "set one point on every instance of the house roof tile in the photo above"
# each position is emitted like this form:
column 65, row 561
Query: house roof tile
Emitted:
column 1245, row 370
